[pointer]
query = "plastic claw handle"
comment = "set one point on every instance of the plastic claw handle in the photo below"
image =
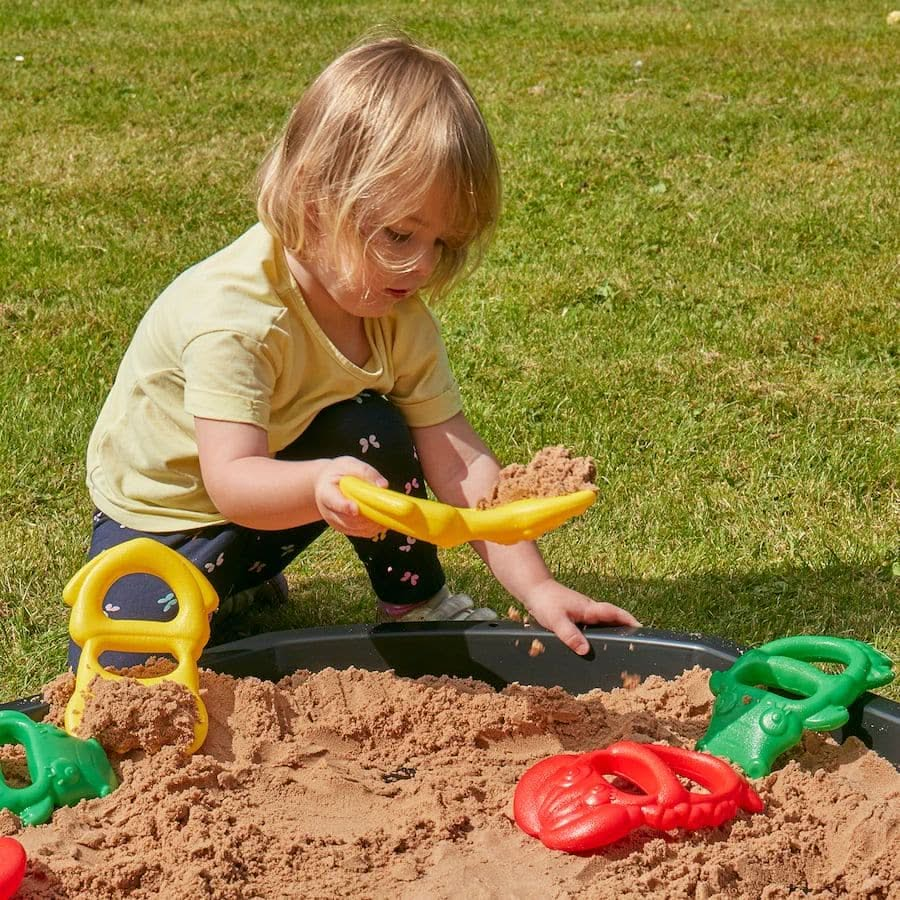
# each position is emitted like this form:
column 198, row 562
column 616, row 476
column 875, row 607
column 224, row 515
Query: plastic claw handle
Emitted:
column 183, row 637
column 448, row 526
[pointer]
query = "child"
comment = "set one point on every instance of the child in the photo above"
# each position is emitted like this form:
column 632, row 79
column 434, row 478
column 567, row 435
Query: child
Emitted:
column 303, row 352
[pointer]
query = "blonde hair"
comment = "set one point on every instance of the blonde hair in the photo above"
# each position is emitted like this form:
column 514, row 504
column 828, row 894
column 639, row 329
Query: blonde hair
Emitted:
column 381, row 126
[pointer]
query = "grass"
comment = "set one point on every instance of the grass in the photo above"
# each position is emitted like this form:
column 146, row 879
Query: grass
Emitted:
column 695, row 281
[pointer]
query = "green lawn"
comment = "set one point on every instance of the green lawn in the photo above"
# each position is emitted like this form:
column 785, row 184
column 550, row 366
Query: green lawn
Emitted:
column 695, row 281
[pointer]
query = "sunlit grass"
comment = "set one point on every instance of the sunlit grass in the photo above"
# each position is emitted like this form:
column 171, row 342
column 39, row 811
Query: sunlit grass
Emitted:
column 694, row 281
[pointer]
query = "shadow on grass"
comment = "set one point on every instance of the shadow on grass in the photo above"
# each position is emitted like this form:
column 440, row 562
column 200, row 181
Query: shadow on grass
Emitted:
column 859, row 601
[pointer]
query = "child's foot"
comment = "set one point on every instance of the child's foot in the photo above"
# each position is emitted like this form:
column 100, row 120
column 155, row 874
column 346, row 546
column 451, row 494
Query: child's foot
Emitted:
column 442, row 607
column 272, row 593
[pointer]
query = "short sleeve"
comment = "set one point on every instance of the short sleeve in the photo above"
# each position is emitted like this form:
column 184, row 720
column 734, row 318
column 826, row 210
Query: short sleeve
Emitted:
column 228, row 376
column 424, row 389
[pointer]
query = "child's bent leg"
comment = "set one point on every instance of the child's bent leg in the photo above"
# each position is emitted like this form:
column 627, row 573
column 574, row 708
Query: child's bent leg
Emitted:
column 231, row 557
column 402, row 570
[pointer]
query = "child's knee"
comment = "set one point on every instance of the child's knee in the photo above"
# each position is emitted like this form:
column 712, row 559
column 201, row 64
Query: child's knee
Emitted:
column 367, row 426
column 381, row 426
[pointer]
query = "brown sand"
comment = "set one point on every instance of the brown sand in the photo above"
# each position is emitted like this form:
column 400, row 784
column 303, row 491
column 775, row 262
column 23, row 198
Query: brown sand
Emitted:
column 127, row 715
column 552, row 472
column 357, row 784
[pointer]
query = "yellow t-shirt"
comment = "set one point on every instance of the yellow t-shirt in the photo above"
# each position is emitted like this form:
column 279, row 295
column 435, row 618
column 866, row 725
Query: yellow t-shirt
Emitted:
column 232, row 339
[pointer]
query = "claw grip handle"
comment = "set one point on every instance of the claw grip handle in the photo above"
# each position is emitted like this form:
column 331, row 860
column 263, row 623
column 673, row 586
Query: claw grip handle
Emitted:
column 184, row 637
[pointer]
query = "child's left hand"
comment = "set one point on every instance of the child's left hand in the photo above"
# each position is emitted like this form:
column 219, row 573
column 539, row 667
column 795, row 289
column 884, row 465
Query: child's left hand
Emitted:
column 558, row 608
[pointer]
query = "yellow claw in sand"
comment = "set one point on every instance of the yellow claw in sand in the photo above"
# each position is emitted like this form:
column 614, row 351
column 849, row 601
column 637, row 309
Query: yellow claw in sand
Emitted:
column 184, row 637
column 449, row 526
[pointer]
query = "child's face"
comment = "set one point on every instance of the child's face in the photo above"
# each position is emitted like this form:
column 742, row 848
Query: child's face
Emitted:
column 411, row 247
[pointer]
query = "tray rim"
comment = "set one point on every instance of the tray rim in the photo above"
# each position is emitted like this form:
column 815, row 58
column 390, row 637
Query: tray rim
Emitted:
column 487, row 648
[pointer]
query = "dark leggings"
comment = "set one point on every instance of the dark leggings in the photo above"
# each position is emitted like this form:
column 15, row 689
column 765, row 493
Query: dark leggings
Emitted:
column 401, row 569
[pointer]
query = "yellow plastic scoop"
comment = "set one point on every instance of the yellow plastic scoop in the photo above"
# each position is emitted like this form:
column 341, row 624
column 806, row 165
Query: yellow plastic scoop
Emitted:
column 449, row 526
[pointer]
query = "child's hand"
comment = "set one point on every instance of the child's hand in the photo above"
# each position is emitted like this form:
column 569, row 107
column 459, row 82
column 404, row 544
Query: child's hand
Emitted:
column 558, row 608
column 340, row 512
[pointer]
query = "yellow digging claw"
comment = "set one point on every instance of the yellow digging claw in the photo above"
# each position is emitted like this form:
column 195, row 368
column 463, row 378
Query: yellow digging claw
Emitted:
column 449, row 526
column 184, row 636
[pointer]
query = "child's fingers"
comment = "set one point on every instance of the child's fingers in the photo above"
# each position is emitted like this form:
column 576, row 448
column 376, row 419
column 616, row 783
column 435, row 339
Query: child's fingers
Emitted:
column 600, row 613
column 344, row 516
column 597, row 613
column 571, row 636
column 354, row 526
column 566, row 629
column 352, row 466
column 338, row 505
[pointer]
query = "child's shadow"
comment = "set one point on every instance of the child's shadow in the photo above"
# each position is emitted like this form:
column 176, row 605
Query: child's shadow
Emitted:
column 747, row 608
column 314, row 601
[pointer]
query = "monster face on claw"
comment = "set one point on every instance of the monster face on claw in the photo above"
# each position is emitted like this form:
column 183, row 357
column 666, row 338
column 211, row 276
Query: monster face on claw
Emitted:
column 751, row 726
column 63, row 769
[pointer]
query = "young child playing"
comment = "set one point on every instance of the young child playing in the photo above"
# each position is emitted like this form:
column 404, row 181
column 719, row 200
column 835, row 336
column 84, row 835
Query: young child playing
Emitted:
column 303, row 352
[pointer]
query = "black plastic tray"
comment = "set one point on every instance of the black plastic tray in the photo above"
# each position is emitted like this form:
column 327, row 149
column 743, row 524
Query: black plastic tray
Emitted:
column 498, row 653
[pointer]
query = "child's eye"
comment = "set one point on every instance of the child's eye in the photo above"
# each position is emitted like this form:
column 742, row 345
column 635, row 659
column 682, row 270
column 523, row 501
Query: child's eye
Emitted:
column 398, row 237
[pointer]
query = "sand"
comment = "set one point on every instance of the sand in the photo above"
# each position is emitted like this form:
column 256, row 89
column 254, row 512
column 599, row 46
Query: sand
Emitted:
column 125, row 715
column 552, row 472
column 357, row 784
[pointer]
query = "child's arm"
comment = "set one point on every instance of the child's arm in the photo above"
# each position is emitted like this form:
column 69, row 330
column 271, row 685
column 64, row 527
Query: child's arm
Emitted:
column 251, row 489
column 460, row 469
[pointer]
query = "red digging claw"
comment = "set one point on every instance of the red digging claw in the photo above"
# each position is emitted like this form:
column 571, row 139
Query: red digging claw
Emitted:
column 12, row 866
column 567, row 802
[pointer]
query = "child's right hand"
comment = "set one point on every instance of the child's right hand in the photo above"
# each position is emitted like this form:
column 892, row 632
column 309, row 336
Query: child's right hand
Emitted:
column 340, row 512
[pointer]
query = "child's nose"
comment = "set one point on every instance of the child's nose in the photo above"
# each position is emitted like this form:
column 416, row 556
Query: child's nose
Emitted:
column 427, row 260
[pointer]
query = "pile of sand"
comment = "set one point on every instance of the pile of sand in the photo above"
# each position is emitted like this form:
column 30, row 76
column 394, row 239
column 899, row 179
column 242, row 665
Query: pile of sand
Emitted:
column 552, row 472
column 125, row 715
column 359, row 784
